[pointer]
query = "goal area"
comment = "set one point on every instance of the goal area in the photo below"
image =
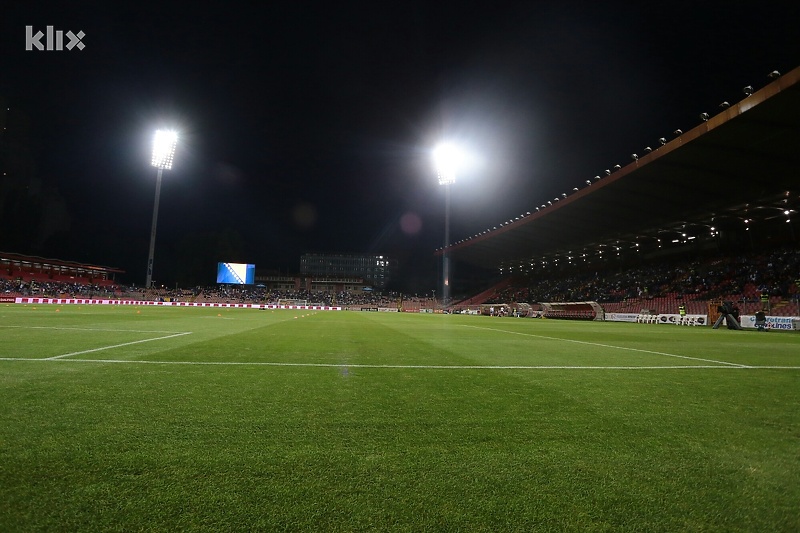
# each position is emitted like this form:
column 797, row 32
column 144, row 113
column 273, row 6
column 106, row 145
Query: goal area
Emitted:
column 290, row 301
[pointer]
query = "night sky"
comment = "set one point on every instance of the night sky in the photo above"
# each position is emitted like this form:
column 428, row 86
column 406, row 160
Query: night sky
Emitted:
column 308, row 126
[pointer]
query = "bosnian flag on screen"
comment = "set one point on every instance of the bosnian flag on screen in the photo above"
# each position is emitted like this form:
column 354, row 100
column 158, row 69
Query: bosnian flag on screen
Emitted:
column 237, row 273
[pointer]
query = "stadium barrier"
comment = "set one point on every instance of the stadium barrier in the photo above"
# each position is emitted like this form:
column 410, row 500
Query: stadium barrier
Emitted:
column 674, row 319
column 90, row 301
column 778, row 323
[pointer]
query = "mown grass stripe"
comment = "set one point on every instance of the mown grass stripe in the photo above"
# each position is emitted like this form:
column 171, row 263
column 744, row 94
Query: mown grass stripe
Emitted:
column 116, row 346
column 601, row 345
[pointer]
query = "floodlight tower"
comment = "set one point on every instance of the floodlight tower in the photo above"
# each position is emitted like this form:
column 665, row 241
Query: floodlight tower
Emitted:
column 446, row 158
column 164, row 143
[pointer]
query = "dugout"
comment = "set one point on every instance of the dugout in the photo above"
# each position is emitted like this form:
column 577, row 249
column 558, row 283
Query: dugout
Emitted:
column 572, row 310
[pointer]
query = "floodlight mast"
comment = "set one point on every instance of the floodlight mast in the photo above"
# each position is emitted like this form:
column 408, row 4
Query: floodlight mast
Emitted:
column 446, row 158
column 164, row 143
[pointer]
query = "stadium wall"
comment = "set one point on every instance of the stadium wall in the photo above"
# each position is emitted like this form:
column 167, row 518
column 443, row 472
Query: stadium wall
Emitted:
column 89, row 301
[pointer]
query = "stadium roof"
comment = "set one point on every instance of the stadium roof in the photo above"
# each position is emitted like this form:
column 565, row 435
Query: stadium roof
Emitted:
column 739, row 165
column 46, row 262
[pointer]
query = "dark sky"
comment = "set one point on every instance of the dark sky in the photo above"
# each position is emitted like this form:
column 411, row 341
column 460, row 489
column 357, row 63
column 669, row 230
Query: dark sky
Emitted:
column 307, row 126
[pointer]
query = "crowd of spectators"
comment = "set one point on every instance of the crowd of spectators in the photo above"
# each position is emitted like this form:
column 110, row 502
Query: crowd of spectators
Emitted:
column 744, row 277
column 56, row 289
column 210, row 294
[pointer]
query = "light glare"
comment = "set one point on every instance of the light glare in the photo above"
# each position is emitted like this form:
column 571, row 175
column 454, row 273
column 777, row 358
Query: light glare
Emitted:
column 164, row 143
column 446, row 158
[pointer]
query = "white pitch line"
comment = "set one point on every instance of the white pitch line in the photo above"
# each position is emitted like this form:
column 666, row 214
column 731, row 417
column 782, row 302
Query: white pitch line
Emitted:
column 417, row 367
column 401, row 367
column 115, row 346
column 612, row 346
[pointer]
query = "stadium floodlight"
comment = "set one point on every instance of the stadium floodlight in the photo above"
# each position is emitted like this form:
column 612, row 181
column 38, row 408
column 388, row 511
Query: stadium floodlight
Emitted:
column 748, row 90
column 448, row 159
column 164, row 144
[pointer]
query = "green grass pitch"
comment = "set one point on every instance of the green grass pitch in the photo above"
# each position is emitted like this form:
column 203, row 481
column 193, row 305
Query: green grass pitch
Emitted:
column 161, row 419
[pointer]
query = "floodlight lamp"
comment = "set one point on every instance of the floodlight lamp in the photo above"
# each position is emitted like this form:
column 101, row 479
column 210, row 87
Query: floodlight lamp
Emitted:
column 725, row 105
column 635, row 157
column 164, row 143
column 774, row 75
column 589, row 182
column 617, row 167
column 596, row 177
column 574, row 189
column 704, row 117
column 678, row 132
column 446, row 158
column 564, row 194
column 647, row 149
column 608, row 172
column 748, row 90
column 662, row 140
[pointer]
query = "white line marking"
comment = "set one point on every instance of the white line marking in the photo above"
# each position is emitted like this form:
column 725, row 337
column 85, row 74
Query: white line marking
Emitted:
column 419, row 367
column 611, row 346
column 114, row 346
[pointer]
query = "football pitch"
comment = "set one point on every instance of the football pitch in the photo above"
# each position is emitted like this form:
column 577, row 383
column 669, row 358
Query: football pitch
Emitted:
column 172, row 419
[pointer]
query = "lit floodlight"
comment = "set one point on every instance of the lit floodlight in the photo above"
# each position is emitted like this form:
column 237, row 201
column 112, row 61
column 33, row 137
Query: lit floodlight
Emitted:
column 164, row 143
column 446, row 158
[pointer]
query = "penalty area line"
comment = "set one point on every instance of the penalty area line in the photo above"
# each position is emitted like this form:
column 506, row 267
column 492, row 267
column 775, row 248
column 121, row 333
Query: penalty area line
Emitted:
column 612, row 346
column 56, row 357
